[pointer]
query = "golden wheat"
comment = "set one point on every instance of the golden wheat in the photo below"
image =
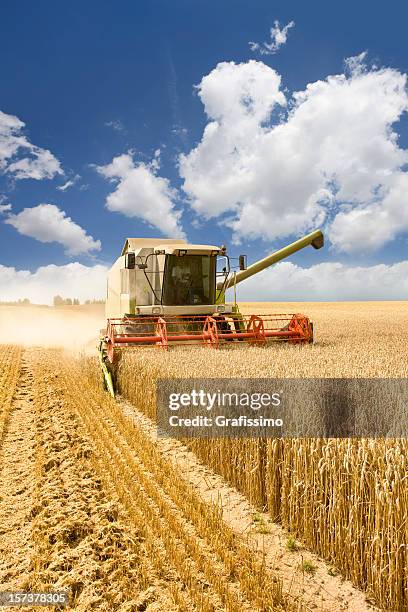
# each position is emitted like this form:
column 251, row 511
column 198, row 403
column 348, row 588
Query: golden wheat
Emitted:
column 213, row 568
column 81, row 542
column 347, row 499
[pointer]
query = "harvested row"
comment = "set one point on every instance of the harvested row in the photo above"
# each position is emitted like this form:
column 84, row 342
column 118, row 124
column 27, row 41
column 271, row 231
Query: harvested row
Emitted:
column 82, row 539
column 346, row 499
column 17, row 481
column 213, row 568
column 10, row 364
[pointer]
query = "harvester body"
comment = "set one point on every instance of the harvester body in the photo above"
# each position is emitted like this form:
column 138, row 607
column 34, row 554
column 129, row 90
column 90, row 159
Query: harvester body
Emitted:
column 163, row 291
column 156, row 276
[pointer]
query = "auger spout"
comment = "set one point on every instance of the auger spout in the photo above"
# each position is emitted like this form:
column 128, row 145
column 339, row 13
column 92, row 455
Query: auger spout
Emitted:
column 315, row 239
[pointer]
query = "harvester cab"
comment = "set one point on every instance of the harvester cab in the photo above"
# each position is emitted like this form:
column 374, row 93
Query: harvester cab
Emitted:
column 162, row 292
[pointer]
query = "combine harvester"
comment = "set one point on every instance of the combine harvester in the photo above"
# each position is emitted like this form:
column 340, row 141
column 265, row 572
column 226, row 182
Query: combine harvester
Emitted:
column 162, row 292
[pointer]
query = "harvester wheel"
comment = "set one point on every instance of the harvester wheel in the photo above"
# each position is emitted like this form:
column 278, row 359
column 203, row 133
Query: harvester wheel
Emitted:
column 107, row 372
column 103, row 380
column 108, row 380
column 239, row 326
column 224, row 327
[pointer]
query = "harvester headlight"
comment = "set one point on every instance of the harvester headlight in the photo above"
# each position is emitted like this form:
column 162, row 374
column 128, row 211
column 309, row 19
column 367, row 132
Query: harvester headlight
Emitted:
column 156, row 310
column 221, row 308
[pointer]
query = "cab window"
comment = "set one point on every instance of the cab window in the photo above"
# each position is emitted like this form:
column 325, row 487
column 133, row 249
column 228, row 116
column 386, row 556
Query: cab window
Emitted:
column 189, row 280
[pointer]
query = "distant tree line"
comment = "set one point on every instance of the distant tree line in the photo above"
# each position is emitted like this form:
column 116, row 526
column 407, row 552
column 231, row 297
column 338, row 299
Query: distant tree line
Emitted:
column 57, row 301
column 60, row 301
column 22, row 302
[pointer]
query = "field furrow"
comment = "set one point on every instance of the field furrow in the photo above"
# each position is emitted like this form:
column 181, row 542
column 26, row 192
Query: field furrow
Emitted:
column 10, row 363
column 84, row 539
column 17, row 472
column 190, row 529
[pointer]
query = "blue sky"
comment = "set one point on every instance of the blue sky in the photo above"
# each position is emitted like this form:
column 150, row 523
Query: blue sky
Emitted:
column 96, row 81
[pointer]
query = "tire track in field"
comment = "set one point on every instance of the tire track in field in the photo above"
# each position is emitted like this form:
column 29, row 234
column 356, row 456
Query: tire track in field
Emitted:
column 17, row 482
column 209, row 583
column 10, row 363
column 218, row 569
column 323, row 590
column 84, row 541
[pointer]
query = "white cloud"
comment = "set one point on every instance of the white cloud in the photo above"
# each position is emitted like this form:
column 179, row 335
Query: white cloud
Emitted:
column 116, row 125
column 4, row 208
column 355, row 63
column 140, row 192
column 179, row 131
column 283, row 282
column 373, row 225
column 69, row 183
column 20, row 158
column 73, row 280
column 332, row 158
column 219, row 173
column 279, row 37
column 47, row 223
column 327, row 282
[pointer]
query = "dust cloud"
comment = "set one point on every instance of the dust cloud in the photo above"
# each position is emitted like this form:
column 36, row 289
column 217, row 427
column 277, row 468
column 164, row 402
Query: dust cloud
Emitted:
column 69, row 327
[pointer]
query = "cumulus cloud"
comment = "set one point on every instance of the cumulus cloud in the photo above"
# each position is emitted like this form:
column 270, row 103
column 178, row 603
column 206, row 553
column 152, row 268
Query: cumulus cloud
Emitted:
column 355, row 63
column 219, row 173
column 72, row 280
column 47, row 223
column 4, row 208
column 279, row 37
column 283, row 282
column 372, row 225
column 331, row 157
column 69, row 183
column 19, row 157
column 116, row 125
column 327, row 282
column 141, row 193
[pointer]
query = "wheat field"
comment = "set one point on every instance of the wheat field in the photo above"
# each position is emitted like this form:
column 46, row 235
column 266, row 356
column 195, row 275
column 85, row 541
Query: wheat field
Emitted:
column 91, row 504
column 346, row 499
column 106, row 517
column 9, row 371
